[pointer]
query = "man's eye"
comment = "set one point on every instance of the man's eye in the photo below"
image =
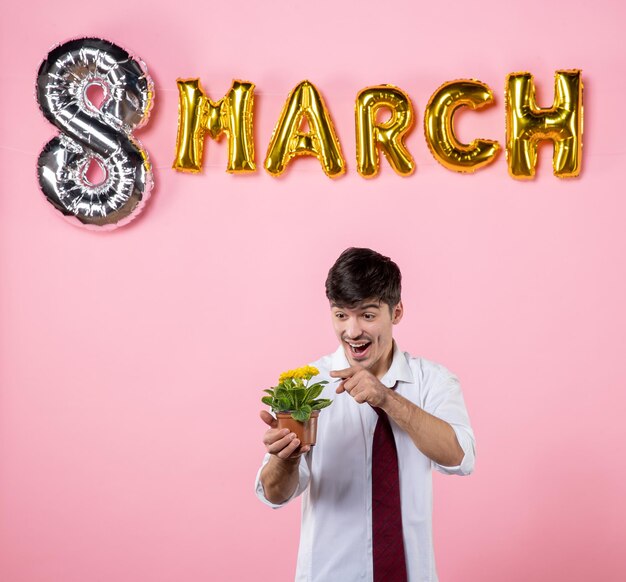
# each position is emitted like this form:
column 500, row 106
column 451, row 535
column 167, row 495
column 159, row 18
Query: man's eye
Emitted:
column 339, row 315
column 368, row 316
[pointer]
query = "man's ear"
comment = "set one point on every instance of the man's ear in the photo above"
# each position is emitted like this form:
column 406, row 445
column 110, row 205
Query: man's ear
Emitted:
column 397, row 313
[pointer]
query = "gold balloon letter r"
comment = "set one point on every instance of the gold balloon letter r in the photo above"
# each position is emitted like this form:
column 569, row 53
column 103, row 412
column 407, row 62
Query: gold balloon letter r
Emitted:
column 389, row 135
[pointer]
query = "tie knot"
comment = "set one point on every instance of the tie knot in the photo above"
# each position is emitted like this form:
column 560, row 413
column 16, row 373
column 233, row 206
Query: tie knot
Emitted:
column 379, row 411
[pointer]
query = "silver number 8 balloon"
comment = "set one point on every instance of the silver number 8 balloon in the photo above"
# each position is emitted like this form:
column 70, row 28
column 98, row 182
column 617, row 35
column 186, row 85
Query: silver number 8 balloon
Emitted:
column 95, row 134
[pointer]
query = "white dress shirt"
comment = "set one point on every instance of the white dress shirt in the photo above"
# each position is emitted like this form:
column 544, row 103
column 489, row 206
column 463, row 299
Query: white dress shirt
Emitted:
column 335, row 477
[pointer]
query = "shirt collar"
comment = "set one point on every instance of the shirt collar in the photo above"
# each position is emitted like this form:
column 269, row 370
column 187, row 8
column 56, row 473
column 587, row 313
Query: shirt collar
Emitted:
column 399, row 371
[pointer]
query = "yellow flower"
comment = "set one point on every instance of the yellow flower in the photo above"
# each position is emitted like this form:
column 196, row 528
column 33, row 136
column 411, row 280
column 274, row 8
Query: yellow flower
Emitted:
column 303, row 373
column 309, row 371
column 285, row 376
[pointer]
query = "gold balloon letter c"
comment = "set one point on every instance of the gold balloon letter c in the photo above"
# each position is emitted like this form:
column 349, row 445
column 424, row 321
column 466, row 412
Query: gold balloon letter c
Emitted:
column 439, row 128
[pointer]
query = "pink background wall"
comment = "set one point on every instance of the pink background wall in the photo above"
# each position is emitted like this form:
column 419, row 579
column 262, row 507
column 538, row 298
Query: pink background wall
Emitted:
column 131, row 363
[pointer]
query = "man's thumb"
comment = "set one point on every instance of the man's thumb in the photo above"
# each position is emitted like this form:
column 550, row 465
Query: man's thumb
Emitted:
column 268, row 419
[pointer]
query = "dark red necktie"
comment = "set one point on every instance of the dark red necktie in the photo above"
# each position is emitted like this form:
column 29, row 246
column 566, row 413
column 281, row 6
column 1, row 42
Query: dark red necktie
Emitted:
column 388, row 547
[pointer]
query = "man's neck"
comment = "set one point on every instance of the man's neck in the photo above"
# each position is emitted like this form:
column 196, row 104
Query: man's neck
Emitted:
column 385, row 363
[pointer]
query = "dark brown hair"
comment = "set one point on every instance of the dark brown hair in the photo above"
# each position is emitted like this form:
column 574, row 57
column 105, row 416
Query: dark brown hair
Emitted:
column 360, row 274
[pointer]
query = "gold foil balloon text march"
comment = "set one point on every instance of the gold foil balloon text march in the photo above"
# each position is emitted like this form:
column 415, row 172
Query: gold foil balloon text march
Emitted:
column 526, row 126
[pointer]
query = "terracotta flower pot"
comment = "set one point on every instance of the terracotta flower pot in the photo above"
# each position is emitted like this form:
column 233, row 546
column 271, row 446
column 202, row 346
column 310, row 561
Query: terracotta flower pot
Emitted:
column 305, row 431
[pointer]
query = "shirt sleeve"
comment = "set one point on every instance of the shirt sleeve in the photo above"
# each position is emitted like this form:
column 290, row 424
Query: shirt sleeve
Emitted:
column 304, row 474
column 446, row 402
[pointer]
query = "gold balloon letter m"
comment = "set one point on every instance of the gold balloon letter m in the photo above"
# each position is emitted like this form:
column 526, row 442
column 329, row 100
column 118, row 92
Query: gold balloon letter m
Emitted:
column 231, row 115
column 527, row 124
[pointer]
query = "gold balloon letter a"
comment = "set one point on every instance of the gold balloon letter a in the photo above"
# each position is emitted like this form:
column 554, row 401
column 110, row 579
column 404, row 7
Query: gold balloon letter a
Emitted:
column 231, row 115
column 305, row 102
column 439, row 127
column 388, row 134
column 527, row 124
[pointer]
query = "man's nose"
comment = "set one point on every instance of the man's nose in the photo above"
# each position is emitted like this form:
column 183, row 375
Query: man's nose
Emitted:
column 353, row 329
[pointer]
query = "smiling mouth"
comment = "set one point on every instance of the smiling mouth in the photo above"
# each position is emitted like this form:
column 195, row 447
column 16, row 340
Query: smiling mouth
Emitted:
column 359, row 348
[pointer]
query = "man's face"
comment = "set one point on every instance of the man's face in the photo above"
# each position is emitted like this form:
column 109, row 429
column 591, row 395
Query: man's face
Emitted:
column 366, row 333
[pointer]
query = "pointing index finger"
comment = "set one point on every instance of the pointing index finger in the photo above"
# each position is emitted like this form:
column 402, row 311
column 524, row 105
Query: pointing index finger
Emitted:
column 345, row 373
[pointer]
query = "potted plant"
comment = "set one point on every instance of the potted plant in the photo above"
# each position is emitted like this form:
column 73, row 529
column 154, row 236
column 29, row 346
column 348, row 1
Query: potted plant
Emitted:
column 296, row 404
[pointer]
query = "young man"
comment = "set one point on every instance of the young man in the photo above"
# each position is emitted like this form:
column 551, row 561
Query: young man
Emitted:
column 367, row 486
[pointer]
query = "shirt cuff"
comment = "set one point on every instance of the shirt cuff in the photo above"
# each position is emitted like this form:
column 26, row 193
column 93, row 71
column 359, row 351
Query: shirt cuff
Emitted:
column 466, row 467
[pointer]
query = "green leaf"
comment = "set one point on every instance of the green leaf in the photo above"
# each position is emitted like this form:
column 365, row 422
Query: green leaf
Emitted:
column 302, row 414
column 313, row 392
column 284, row 404
column 321, row 403
column 298, row 397
column 281, row 393
column 269, row 391
column 268, row 400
